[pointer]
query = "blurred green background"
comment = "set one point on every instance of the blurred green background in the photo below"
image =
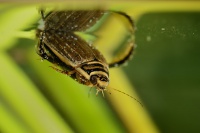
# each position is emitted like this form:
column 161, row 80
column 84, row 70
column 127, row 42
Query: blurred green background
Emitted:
column 166, row 69
column 164, row 72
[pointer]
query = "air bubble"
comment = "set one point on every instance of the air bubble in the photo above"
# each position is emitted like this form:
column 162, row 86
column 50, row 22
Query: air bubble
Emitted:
column 162, row 28
column 148, row 38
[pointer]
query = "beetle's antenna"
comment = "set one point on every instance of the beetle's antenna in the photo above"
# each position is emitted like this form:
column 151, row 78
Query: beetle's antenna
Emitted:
column 108, row 91
column 127, row 95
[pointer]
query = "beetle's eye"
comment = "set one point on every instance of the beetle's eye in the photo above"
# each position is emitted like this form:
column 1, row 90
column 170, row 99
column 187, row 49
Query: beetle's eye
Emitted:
column 93, row 80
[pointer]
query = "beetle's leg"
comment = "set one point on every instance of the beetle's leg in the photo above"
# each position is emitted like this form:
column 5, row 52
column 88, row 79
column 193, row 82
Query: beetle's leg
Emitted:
column 70, row 72
column 42, row 13
column 43, row 51
column 130, row 20
column 123, row 59
column 130, row 47
column 40, row 49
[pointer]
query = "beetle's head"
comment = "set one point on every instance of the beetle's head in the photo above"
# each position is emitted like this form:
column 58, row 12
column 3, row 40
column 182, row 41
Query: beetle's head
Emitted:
column 100, row 81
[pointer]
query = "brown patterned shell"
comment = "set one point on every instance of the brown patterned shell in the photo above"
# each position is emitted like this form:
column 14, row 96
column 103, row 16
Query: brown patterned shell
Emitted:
column 58, row 35
column 71, row 49
column 75, row 20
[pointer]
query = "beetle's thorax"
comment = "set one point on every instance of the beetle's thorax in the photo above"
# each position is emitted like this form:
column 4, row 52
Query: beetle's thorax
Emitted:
column 94, row 74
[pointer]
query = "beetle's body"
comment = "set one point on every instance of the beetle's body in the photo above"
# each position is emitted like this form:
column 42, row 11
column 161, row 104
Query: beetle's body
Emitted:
column 59, row 44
